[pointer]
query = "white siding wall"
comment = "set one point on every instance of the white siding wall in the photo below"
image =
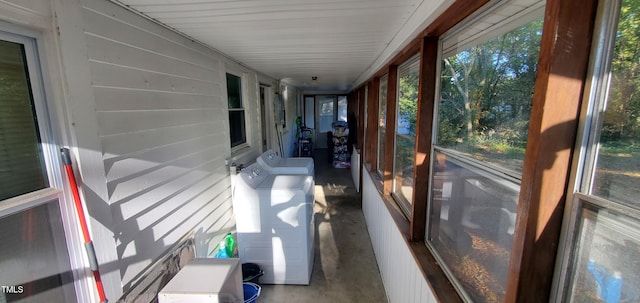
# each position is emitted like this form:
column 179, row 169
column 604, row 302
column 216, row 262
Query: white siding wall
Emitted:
column 29, row 13
column 148, row 116
column 35, row 19
column 163, row 127
column 291, row 97
column 403, row 281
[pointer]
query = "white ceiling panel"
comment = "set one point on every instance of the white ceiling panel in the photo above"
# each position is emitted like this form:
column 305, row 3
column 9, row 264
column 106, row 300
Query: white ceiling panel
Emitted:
column 342, row 42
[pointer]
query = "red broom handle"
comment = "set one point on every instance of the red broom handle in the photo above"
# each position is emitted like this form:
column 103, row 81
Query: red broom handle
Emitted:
column 88, row 244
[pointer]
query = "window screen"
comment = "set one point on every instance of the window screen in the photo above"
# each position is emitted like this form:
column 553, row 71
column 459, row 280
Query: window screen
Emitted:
column 405, row 136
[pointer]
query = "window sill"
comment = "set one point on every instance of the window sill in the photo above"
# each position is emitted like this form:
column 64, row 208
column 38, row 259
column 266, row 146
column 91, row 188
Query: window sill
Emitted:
column 440, row 285
column 240, row 149
column 243, row 155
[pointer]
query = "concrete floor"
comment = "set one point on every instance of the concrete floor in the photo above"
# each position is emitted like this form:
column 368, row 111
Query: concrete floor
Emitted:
column 345, row 268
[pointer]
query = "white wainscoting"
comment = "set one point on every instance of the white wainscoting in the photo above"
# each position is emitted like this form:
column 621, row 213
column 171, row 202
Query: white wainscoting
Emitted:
column 355, row 168
column 403, row 281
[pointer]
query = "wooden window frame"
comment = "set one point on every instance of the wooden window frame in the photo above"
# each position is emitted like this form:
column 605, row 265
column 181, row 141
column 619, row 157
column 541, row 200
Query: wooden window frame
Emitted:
column 379, row 167
column 557, row 96
column 390, row 130
column 360, row 116
column 594, row 109
column 562, row 69
column 371, row 155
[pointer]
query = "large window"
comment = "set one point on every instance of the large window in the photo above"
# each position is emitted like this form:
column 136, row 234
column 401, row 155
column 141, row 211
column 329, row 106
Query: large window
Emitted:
column 405, row 136
column 34, row 260
column 237, row 126
column 486, row 90
column 601, row 260
column 22, row 162
column 616, row 178
column 382, row 123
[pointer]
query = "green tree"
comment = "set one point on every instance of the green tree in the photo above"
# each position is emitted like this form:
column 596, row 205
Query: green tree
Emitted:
column 486, row 90
column 408, row 100
column 622, row 118
column 407, row 113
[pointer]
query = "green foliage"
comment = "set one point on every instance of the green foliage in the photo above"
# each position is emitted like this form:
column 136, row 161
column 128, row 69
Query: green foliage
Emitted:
column 625, row 146
column 405, row 152
column 408, row 100
column 486, row 92
column 407, row 112
column 622, row 117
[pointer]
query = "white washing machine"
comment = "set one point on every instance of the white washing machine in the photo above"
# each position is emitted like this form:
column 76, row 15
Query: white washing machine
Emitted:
column 277, row 165
column 275, row 225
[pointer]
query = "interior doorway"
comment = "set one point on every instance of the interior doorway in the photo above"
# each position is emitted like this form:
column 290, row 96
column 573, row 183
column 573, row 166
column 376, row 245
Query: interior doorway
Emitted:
column 320, row 112
column 325, row 115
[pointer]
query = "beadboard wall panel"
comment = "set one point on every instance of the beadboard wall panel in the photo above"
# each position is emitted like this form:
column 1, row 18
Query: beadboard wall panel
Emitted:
column 402, row 279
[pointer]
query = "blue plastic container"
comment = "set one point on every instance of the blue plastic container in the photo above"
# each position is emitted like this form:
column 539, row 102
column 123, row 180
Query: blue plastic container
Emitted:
column 251, row 292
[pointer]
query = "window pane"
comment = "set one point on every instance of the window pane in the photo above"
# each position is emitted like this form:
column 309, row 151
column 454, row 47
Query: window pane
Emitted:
column 486, row 92
column 309, row 112
column 472, row 220
column 404, row 154
column 342, row 108
column 617, row 174
column 22, row 168
column 234, row 91
column 381, row 133
column 33, row 251
column 236, row 127
column 486, row 95
column 382, row 122
column 326, row 107
column 606, row 265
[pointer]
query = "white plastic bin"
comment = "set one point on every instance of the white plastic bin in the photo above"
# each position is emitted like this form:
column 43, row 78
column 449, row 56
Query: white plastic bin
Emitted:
column 205, row 281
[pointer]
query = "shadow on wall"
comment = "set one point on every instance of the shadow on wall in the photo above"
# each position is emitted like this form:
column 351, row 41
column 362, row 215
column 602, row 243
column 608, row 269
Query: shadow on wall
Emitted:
column 156, row 216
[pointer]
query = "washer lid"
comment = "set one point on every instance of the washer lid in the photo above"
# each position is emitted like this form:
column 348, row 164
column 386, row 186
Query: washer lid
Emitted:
column 271, row 160
column 296, row 162
column 285, row 182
